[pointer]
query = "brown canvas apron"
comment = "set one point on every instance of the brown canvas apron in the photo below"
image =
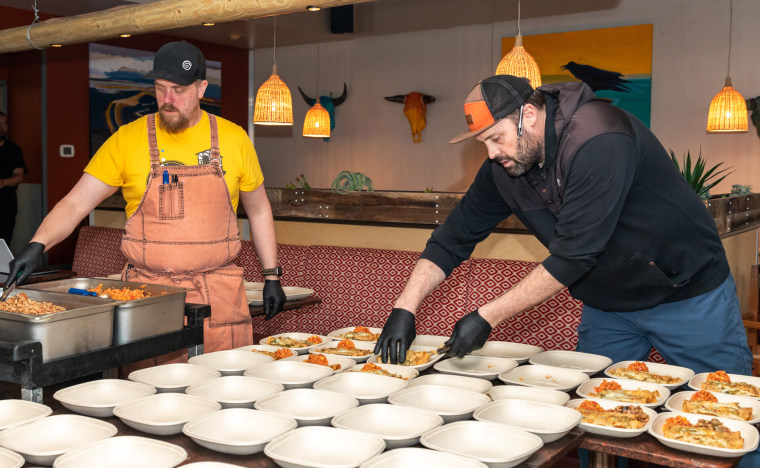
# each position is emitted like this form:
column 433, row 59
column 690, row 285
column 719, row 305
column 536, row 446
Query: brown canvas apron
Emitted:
column 185, row 234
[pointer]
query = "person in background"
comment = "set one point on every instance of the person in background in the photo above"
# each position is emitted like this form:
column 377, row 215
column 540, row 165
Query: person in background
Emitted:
column 182, row 172
column 12, row 172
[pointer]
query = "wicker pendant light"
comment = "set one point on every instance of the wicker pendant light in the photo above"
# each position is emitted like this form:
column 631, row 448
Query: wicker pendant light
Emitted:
column 274, row 104
column 728, row 109
column 518, row 61
column 317, row 122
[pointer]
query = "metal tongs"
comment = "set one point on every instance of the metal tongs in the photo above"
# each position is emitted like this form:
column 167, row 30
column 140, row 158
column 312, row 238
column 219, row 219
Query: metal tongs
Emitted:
column 8, row 288
column 443, row 349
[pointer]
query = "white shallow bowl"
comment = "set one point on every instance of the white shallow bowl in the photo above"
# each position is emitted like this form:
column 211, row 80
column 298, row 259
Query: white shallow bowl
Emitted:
column 230, row 361
column 675, row 403
column 123, row 452
column 99, row 397
column 309, row 407
column 451, row 380
column 164, row 413
column 235, row 391
column 399, row 426
column 518, row 351
column 749, row 434
column 44, row 440
column 366, row 346
column 366, row 388
column 421, row 367
column 415, row 457
column 175, row 377
column 682, row 373
column 484, row 441
column 302, row 337
column 549, row 422
column 15, row 412
column 211, row 465
column 555, row 378
column 339, row 334
column 291, row 374
column 518, row 392
column 480, row 367
column 406, row 372
column 587, row 388
column 345, row 363
column 10, row 459
column 610, row 431
column 436, row 341
column 584, row 362
column 318, row 446
column 237, row 431
column 452, row 404
column 697, row 381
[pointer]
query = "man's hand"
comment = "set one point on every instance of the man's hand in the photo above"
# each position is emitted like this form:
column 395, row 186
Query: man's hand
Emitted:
column 398, row 334
column 27, row 261
column 470, row 333
column 274, row 298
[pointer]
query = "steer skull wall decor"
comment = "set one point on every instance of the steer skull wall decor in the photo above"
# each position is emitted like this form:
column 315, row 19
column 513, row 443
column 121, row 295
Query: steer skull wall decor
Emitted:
column 415, row 109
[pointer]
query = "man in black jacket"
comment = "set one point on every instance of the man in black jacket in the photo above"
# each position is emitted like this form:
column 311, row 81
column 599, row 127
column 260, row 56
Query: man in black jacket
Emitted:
column 626, row 234
column 12, row 171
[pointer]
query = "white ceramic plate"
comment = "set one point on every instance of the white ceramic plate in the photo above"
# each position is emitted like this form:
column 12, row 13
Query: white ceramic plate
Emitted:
column 99, row 397
column 436, row 341
column 697, row 381
column 175, row 377
column 682, row 373
column 506, row 349
column 344, row 362
column 230, row 361
column 318, row 446
column 44, row 440
column 415, row 457
column 211, row 465
column 584, row 362
column 587, row 388
column 555, row 378
column 610, row 431
column 406, row 372
column 366, row 388
column 10, row 459
column 253, row 285
column 452, row 404
column 358, row 344
column 749, row 434
column 164, row 413
column 302, row 337
column 292, row 293
column 421, row 367
column 518, row 392
column 291, row 374
column 399, row 426
column 340, row 333
column 235, row 391
column 124, row 452
column 15, row 412
column 675, row 403
column 480, row 367
column 549, row 422
column 309, row 407
column 238, row 431
column 484, row 441
column 451, row 380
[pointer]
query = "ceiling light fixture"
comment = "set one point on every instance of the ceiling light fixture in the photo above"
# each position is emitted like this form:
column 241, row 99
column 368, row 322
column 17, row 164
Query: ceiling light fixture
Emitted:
column 125, row 35
column 518, row 61
column 208, row 23
column 728, row 109
column 56, row 45
column 313, row 8
column 316, row 124
column 274, row 105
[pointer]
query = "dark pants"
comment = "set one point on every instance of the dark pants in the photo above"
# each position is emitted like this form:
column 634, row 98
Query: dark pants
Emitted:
column 7, row 222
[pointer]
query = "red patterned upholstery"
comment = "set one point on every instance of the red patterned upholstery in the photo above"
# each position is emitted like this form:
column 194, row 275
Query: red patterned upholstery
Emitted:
column 291, row 258
column 98, row 252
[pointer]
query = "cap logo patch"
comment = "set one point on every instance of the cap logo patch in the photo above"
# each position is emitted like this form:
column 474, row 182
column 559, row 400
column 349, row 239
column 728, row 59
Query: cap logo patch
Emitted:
column 468, row 117
column 187, row 65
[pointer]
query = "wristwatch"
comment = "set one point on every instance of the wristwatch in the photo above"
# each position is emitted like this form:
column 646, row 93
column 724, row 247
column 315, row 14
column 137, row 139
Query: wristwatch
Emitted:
column 277, row 271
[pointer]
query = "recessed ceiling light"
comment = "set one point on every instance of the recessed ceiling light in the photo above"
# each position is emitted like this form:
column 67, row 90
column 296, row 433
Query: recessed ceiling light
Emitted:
column 208, row 23
column 125, row 35
column 313, row 8
column 56, row 45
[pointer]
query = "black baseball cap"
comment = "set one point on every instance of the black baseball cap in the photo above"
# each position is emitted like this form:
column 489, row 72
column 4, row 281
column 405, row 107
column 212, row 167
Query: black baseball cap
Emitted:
column 491, row 100
column 179, row 62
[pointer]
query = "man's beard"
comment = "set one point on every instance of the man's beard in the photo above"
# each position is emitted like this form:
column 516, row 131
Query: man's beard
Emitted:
column 530, row 151
column 180, row 123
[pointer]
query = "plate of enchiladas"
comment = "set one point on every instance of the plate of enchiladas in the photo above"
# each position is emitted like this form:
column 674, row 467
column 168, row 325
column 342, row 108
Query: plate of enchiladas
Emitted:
column 706, row 435
column 625, row 391
column 613, row 418
column 732, row 384
column 716, row 404
column 666, row 375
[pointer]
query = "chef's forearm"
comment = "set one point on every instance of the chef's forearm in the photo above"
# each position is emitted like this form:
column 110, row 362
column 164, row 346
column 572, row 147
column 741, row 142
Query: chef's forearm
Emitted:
column 425, row 277
column 259, row 213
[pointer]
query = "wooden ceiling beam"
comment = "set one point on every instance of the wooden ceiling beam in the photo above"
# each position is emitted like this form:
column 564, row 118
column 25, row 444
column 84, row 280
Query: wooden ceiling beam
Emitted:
column 146, row 18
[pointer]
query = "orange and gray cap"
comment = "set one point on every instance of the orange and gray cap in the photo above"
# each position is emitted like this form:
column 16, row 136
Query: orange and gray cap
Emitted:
column 491, row 100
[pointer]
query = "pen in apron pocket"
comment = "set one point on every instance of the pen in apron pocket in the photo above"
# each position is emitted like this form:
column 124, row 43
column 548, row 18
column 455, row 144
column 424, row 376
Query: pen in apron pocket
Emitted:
column 166, row 177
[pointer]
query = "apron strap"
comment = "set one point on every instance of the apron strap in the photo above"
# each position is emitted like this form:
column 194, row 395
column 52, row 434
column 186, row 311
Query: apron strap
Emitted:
column 215, row 158
column 152, row 142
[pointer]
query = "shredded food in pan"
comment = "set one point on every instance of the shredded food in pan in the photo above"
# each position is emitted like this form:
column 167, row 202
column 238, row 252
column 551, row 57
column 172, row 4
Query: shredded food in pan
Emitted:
column 21, row 304
column 123, row 294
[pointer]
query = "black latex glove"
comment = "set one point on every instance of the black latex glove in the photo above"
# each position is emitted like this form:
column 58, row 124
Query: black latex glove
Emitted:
column 274, row 298
column 470, row 333
column 398, row 334
column 27, row 261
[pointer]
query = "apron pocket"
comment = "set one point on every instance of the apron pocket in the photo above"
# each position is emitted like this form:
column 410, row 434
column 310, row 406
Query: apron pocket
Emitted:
column 171, row 201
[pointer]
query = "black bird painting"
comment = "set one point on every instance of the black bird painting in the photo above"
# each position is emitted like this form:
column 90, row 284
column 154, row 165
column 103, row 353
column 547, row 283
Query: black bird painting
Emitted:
column 753, row 104
column 596, row 78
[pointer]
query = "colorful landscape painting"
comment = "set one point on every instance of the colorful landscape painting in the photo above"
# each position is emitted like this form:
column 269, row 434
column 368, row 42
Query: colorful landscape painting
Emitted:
column 596, row 57
column 119, row 94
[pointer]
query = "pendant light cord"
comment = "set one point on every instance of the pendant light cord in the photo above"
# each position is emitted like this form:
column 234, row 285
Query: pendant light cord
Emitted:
column 730, row 29
column 518, row 18
column 274, row 44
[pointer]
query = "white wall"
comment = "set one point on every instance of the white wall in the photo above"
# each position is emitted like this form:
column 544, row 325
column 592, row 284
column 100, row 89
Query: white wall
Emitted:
column 690, row 52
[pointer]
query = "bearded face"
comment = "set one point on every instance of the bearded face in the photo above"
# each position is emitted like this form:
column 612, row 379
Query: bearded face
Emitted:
column 172, row 120
column 529, row 152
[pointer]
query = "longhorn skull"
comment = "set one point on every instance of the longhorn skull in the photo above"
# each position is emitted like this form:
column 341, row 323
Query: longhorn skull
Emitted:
column 328, row 102
column 415, row 109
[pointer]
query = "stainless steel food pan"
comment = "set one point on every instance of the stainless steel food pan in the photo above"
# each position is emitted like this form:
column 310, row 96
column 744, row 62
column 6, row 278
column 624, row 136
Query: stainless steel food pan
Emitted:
column 162, row 312
column 85, row 325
